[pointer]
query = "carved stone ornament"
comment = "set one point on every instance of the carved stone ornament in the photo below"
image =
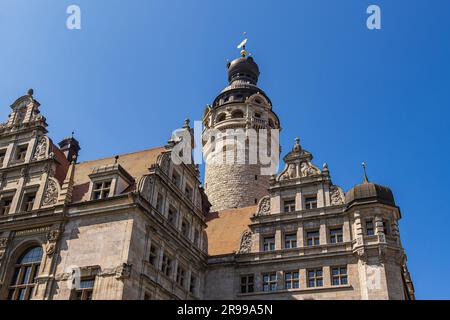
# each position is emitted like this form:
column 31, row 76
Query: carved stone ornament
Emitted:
column 165, row 162
column 50, row 248
column 3, row 242
column 362, row 255
column 146, row 187
column 2, row 254
column 246, row 242
column 290, row 173
column 263, row 206
column 337, row 196
column 41, row 149
column 53, row 235
column 308, row 170
column 51, row 193
column 123, row 271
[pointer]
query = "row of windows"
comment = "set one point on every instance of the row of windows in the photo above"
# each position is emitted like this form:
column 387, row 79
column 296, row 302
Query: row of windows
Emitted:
column 166, row 267
column 26, row 205
column 291, row 280
column 310, row 202
column 19, row 155
column 312, row 238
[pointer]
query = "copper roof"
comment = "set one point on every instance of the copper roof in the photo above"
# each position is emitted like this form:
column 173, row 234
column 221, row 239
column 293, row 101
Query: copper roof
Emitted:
column 225, row 229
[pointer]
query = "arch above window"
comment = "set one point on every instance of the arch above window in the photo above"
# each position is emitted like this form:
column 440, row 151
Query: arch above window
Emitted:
column 221, row 117
column 237, row 114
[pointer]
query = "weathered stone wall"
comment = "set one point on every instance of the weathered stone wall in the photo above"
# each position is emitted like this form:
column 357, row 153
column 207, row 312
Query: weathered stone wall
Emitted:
column 234, row 186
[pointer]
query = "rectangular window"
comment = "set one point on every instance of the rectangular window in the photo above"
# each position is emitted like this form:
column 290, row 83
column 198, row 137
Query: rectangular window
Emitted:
column 172, row 215
column 2, row 157
column 101, row 190
column 188, row 192
column 290, row 241
column 5, row 204
column 180, row 276
column 339, row 276
column 28, row 201
column 289, row 206
column 193, row 284
column 269, row 243
column 247, row 284
column 153, row 257
column 269, row 282
column 312, row 238
column 159, row 202
column 85, row 291
column 369, row 228
column 176, row 178
column 185, row 228
column 311, row 202
column 291, row 280
column 166, row 266
column 336, row 235
column 196, row 237
column 21, row 152
column 386, row 226
column 315, row 278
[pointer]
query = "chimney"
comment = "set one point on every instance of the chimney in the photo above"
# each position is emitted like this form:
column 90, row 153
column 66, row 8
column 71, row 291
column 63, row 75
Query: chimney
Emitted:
column 70, row 147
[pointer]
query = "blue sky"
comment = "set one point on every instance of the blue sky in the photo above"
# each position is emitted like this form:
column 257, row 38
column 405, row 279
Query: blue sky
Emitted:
column 136, row 69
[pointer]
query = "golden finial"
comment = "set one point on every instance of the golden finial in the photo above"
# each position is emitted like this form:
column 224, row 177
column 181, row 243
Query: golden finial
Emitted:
column 242, row 45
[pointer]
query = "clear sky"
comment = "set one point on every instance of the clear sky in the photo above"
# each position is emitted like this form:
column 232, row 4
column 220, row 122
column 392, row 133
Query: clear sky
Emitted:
column 137, row 68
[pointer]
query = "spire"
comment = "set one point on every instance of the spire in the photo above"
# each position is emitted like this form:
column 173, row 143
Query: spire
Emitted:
column 242, row 46
column 365, row 179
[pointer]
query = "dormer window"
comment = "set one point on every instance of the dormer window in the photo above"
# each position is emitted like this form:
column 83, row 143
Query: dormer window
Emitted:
column 21, row 152
column 185, row 226
column 101, row 190
column 28, row 201
column 172, row 215
column 159, row 202
column 311, row 202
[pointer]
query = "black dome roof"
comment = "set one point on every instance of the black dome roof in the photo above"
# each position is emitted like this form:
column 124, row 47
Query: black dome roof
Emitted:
column 243, row 68
column 368, row 191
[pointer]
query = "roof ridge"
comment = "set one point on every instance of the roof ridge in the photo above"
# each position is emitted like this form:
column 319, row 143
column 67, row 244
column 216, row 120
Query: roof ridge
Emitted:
column 121, row 154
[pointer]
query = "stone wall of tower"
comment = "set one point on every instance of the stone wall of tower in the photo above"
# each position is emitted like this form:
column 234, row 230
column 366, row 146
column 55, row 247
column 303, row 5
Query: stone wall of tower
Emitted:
column 234, row 186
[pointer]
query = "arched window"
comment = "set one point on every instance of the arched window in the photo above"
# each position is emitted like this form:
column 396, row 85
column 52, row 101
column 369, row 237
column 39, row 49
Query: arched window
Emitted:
column 25, row 272
column 221, row 117
column 237, row 114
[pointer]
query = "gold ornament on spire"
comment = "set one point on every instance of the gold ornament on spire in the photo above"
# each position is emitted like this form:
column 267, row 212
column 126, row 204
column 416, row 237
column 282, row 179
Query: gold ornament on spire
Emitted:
column 242, row 46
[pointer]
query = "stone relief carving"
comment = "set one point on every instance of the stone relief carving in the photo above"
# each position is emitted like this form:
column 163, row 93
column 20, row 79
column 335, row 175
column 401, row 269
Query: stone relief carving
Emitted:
column 246, row 242
column 165, row 162
column 41, row 149
column 3, row 242
column 120, row 272
column 308, row 170
column 336, row 196
column 51, row 193
column 263, row 206
column 53, row 235
column 290, row 173
column 146, row 187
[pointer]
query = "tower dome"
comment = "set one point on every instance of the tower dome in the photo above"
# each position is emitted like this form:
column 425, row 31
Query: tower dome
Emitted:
column 243, row 68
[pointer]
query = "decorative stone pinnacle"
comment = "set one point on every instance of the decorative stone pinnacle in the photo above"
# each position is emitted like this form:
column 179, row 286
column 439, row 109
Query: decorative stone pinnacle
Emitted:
column 30, row 92
column 186, row 123
column 116, row 158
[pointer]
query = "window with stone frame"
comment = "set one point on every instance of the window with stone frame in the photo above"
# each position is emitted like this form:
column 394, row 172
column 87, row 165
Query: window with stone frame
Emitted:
column 25, row 272
column 166, row 265
column 315, row 278
column 176, row 178
column 291, row 280
column 369, row 227
column 339, row 276
column 196, row 237
column 289, row 205
column 269, row 243
column 310, row 202
column 193, row 284
column 21, row 152
column 85, row 291
column 269, row 282
column 185, row 228
column 181, row 272
column 101, row 189
column 188, row 191
column 336, row 235
column 28, row 199
column 290, row 240
column 159, row 202
column 172, row 215
column 247, row 283
column 153, row 255
column 313, row 238
column 5, row 203
column 386, row 226
column 2, row 157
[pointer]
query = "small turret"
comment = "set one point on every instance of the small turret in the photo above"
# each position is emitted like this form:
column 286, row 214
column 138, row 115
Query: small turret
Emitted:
column 70, row 147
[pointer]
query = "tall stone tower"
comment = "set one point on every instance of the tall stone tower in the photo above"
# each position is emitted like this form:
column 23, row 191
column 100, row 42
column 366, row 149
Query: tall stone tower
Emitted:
column 233, row 181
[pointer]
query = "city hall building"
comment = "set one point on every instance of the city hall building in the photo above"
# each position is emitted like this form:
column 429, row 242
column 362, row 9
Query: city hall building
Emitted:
column 140, row 226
